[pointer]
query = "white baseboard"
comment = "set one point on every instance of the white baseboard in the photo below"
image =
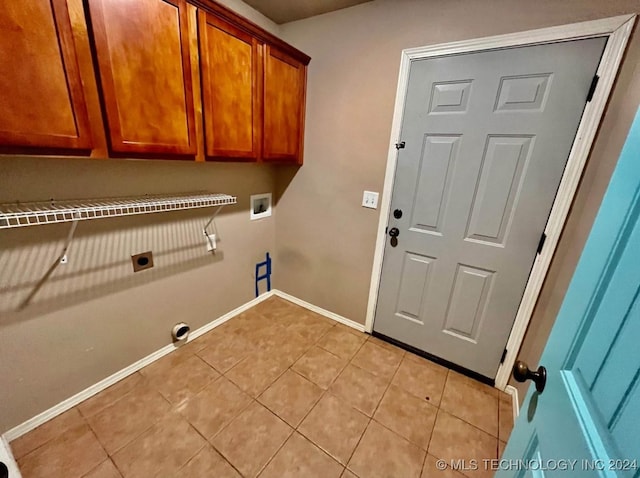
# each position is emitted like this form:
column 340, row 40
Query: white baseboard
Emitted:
column 513, row 391
column 6, row 457
column 319, row 310
column 71, row 402
column 229, row 315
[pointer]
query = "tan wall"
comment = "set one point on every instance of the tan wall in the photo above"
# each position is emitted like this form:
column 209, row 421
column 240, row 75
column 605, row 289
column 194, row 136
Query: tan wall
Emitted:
column 325, row 239
column 94, row 316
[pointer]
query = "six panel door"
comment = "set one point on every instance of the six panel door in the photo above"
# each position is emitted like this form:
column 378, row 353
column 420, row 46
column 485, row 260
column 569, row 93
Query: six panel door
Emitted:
column 231, row 89
column 143, row 56
column 284, row 95
column 41, row 95
column 487, row 138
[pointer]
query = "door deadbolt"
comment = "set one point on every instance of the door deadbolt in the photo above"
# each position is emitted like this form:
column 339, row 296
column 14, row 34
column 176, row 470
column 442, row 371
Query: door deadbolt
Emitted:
column 397, row 213
column 394, row 232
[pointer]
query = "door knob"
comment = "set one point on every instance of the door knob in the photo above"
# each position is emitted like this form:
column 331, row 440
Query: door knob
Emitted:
column 521, row 373
column 394, row 232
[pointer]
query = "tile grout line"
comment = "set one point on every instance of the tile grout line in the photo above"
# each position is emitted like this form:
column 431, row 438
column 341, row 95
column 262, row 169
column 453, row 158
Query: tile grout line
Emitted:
column 155, row 422
column 255, row 399
column 101, row 446
column 465, row 421
column 455, row 416
column 432, row 454
column 43, row 444
column 295, row 429
column 197, row 451
column 206, row 440
column 325, row 392
column 377, row 406
column 470, row 424
column 209, row 440
column 438, row 409
column 86, row 417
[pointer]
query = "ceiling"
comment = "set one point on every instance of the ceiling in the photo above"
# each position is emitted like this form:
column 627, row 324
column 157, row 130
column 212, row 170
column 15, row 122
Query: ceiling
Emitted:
column 283, row 11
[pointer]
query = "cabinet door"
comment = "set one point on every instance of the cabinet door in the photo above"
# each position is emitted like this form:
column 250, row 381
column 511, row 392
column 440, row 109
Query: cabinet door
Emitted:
column 41, row 98
column 230, row 66
column 284, row 94
column 143, row 56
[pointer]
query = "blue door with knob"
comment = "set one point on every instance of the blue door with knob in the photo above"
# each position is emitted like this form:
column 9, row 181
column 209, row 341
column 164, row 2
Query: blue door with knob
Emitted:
column 586, row 422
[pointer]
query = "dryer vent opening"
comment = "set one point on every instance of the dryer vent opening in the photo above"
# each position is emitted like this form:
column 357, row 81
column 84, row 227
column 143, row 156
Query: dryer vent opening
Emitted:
column 180, row 332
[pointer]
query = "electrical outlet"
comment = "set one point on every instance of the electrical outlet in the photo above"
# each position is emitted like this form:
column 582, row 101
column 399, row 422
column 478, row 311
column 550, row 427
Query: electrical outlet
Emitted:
column 370, row 200
column 142, row 261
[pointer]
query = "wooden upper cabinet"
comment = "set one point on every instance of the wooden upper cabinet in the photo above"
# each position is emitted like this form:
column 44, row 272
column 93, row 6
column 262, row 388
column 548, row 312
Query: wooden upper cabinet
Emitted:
column 284, row 103
column 143, row 56
column 230, row 61
column 41, row 98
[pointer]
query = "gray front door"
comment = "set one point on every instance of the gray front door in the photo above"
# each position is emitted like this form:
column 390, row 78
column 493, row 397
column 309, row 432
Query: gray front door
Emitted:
column 487, row 138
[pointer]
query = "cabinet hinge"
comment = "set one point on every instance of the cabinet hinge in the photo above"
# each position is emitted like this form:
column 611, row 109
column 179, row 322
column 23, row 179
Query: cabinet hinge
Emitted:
column 592, row 88
column 541, row 243
column 504, row 355
column 400, row 145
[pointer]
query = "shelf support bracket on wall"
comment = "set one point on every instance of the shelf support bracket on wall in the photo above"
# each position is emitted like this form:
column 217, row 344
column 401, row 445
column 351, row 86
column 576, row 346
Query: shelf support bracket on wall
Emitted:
column 61, row 259
column 211, row 237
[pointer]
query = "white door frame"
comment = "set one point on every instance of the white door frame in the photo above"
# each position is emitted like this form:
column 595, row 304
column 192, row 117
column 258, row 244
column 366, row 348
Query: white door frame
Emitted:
column 617, row 29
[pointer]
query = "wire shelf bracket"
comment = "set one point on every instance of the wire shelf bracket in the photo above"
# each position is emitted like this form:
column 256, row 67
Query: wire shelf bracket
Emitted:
column 211, row 237
column 13, row 215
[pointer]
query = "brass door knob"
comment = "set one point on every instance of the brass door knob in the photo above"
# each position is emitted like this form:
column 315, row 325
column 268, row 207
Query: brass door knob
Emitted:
column 521, row 373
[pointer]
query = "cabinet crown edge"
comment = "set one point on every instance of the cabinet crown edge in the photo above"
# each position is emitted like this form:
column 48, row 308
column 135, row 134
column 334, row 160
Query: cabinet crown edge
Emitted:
column 257, row 31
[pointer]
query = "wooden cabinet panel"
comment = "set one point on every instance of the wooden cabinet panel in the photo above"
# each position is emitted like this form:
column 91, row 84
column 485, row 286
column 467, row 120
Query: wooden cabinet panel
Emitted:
column 143, row 57
column 284, row 98
column 41, row 98
column 230, row 69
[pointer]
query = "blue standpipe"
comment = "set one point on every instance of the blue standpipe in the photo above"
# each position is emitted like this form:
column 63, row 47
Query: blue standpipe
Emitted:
column 266, row 265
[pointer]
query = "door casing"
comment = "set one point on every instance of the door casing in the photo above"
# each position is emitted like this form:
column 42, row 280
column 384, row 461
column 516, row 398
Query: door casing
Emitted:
column 617, row 29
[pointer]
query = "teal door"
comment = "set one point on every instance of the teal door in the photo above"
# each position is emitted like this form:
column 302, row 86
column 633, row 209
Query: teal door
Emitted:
column 587, row 420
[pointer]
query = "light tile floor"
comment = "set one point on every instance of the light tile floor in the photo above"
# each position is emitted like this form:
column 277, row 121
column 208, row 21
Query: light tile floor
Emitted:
column 276, row 392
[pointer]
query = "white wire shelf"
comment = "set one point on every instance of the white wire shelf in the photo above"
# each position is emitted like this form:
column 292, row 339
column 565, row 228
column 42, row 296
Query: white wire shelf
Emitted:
column 51, row 212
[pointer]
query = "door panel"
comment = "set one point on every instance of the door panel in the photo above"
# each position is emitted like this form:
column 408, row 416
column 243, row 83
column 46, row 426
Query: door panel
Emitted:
column 590, row 408
column 143, row 55
column 231, row 89
column 487, row 138
column 41, row 98
column 499, row 183
column 450, row 97
column 434, row 181
column 413, row 285
column 523, row 93
column 284, row 80
column 467, row 304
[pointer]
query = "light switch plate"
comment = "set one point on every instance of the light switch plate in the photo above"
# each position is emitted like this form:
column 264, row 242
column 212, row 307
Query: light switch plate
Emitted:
column 370, row 199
